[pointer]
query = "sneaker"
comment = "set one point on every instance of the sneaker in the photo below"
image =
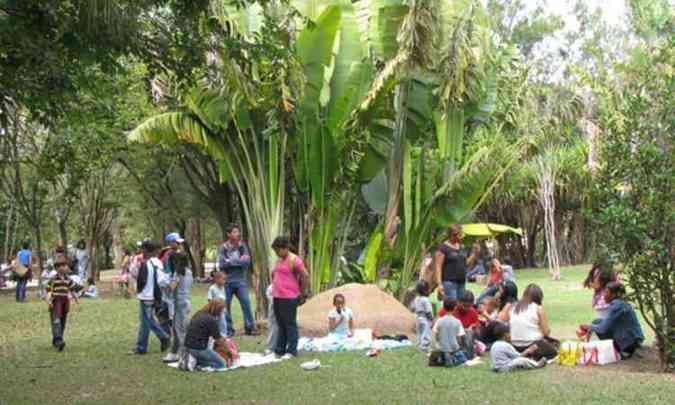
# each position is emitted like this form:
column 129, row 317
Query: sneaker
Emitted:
column 252, row 333
column 165, row 343
column 287, row 356
column 170, row 358
column 135, row 352
column 207, row 369
column 268, row 352
column 553, row 360
column 191, row 363
column 541, row 363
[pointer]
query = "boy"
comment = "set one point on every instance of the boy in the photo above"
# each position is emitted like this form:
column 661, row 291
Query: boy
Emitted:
column 59, row 289
column 468, row 316
column 505, row 357
column 217, row 292
column 446, row 339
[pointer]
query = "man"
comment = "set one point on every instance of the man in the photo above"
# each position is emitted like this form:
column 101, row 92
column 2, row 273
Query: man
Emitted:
column 150, row 275
column 234, row 260
column 23, row 270
column 164, row 311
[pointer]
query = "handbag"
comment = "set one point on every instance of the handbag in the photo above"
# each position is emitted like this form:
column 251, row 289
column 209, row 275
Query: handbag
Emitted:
column 598, row 352
column 20, row 270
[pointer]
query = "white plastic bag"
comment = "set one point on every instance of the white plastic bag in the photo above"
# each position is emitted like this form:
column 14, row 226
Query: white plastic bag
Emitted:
column 598, row 352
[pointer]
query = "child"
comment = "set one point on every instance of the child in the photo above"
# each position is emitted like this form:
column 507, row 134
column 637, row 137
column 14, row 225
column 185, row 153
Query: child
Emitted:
column 488, row 310
column 423, row 313
column 505, row 357
column 341, row 319
column 468, row 315
column 181, row 282
column 447, row 339
column 59, row 290
column 597, row 280
column 272, row 325
column 217, row 292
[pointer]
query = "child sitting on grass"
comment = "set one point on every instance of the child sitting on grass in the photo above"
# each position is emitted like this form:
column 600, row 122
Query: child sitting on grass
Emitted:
column 505, row 357
column 59, row 290
column 488, row 310
column 447, row 339
column 217, row 292
column 341, row 319
column 423, row 315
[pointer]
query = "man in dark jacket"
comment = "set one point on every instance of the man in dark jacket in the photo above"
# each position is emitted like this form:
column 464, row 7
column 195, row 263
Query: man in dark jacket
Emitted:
column 234, row 259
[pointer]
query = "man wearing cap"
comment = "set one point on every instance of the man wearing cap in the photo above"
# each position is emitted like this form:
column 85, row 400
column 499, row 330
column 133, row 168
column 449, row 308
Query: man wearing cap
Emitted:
column 234, row 260
column 163, row 311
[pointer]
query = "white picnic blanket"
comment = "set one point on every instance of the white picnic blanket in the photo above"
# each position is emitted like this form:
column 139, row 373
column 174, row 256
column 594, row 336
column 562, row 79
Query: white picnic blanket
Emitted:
column 247, row 360
column 362, row 340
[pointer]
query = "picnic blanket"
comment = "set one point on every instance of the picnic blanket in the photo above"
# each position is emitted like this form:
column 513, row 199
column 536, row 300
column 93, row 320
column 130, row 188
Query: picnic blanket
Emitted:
column 247, row 360
column 362, row 340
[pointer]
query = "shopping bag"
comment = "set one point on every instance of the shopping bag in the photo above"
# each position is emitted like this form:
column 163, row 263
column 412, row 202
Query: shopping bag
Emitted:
column 569, row 353
column 598, row 352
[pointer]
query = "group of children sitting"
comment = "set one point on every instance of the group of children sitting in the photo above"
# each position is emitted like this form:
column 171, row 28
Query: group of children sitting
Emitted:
column 455, row 336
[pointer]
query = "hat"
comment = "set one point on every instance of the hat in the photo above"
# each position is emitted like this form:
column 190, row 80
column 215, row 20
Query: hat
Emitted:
column 148, row 246
column 174, row 237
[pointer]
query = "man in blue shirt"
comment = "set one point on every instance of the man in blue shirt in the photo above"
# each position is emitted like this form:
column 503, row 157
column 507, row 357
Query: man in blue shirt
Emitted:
column 234, row 259
column 24, row 259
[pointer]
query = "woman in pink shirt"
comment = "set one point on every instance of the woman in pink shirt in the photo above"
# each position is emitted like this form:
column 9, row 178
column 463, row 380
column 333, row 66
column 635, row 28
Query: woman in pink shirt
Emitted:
column 287, row 274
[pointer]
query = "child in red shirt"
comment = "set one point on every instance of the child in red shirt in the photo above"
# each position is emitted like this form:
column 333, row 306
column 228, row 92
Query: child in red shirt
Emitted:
column 467, row 314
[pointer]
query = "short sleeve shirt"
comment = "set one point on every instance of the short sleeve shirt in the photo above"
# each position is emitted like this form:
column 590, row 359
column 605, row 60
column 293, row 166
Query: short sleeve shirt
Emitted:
column 446, row 333
column 216, row 293
column 343, row 327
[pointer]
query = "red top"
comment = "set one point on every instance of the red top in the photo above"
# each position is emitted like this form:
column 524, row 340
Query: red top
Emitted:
column 468, row 317
column 496, row 277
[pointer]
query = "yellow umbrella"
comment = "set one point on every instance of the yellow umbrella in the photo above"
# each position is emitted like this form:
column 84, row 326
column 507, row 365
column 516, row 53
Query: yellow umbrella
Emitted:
column 488, row 230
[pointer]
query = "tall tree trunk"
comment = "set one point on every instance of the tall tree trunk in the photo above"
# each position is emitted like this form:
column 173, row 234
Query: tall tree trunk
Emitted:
column 8, row 229
column 197, row 245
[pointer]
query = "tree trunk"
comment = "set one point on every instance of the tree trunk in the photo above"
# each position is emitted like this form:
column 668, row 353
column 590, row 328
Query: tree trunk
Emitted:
column 197, row 246
column 8, row 224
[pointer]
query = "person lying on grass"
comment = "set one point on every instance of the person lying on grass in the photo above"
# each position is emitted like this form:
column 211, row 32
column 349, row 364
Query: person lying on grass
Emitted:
column 447, row 338
column 205, row 324
column 423, row 315
column 59, row 291
column 504, row 357
column 621, row 323
column 341, row 319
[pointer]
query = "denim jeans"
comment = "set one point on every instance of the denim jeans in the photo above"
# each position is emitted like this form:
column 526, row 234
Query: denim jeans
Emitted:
column 423, row 332
column 179, row 326
column 454, row 290
column 207, row 358
column 147, row 324
column 240, row 290
column 21, row 285
column 163, row 314
column 490, row 291
column 478, row 270
column 445, row 359
column 286, row 313
column 222, row 325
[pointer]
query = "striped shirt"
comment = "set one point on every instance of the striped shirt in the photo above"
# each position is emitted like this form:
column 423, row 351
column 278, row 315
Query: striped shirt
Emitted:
column 61, row 286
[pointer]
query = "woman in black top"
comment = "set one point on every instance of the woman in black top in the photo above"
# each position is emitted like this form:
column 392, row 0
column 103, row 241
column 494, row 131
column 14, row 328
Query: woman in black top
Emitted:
column 451, row 263
column 205, row 325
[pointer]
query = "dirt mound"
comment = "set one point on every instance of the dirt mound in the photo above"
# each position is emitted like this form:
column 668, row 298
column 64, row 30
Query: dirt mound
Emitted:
column 372, row 307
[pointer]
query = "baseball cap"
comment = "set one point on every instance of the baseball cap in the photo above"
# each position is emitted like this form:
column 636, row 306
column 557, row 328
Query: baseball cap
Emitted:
column 174, row 237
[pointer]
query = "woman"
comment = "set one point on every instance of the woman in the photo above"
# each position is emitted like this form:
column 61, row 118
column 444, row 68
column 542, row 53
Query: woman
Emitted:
column 451, row 264
column 496, row 278
column 478, row 266
column 598, row 279
column 124, row 273
column 287, row 274
column 23, row 271
column 204, row 325
column 82, row 257
column 529, row 325
column 507, row 296
column 621, row 323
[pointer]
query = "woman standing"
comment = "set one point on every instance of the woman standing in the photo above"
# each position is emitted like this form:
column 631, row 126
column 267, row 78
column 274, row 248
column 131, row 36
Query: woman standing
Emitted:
column 82, row 256
column 529, row 325
column 451, row 263
column 286, row 288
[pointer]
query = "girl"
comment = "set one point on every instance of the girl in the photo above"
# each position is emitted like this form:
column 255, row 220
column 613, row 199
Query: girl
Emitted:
column 180, row 285
column 507, row 296
column 205, row 325
column 496, row 279
column 341, row 319
column 598, row 279
column 287, row 276
column 621, row 323
column 217, row 292
column 529, row 325
column 488, row 310
column 124, row 273
column 423, row 313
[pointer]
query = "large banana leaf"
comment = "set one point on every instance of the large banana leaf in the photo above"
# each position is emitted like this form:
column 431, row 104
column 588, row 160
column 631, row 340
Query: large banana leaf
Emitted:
column 386, row 17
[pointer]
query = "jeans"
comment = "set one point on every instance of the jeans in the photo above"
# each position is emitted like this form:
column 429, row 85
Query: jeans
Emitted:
column 207, row 358
column 490, row 291
column 58, row 327
column 179, row 327
column 445, row 359
column 147, row 324
column 239, row 289
column 454, row 290
column 478, row 270
column 423, row 331
column 222, row 325
column 164, row 316
column 21, row 285
column 286, row 313
column 468, row 344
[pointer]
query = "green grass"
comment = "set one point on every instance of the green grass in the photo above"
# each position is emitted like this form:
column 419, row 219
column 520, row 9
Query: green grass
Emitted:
column 95, row 367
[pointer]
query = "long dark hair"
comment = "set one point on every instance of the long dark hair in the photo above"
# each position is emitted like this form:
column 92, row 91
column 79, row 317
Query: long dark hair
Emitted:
column 179, row 262
column 532, row 294
column 509, row 293
column 605, row 276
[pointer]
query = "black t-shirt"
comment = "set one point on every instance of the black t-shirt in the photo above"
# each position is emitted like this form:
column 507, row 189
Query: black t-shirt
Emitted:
column 202, row 326
column 454, row 263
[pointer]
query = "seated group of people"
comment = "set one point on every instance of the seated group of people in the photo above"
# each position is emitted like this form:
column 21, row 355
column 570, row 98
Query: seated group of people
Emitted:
column 516, row 331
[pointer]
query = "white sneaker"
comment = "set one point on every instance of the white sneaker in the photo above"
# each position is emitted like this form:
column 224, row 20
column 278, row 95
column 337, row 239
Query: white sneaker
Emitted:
column 287, row 356
column 170, row 358
column 191, row 363
column 268, row 352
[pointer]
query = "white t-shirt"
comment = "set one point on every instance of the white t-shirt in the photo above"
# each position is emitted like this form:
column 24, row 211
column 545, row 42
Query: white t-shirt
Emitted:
column 422, row 306
column 216, row 292
column 525, row 328
column 153, row 265
column 343, row 327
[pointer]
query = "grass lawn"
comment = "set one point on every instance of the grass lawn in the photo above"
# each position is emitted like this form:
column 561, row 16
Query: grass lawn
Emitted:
column 95, row 367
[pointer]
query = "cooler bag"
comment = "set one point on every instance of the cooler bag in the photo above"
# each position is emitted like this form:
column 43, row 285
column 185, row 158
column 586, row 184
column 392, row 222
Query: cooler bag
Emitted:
column 569, row 353
column 598, row 352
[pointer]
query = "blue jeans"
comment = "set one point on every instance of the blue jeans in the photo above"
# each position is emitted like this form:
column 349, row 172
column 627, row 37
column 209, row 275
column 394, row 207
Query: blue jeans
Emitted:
column 478, row 270
column 239, row 289
column 21, row 285
column 207, row 358
column 490, row 291
column 147, row 324
column 454, row 290
column 445, row 359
